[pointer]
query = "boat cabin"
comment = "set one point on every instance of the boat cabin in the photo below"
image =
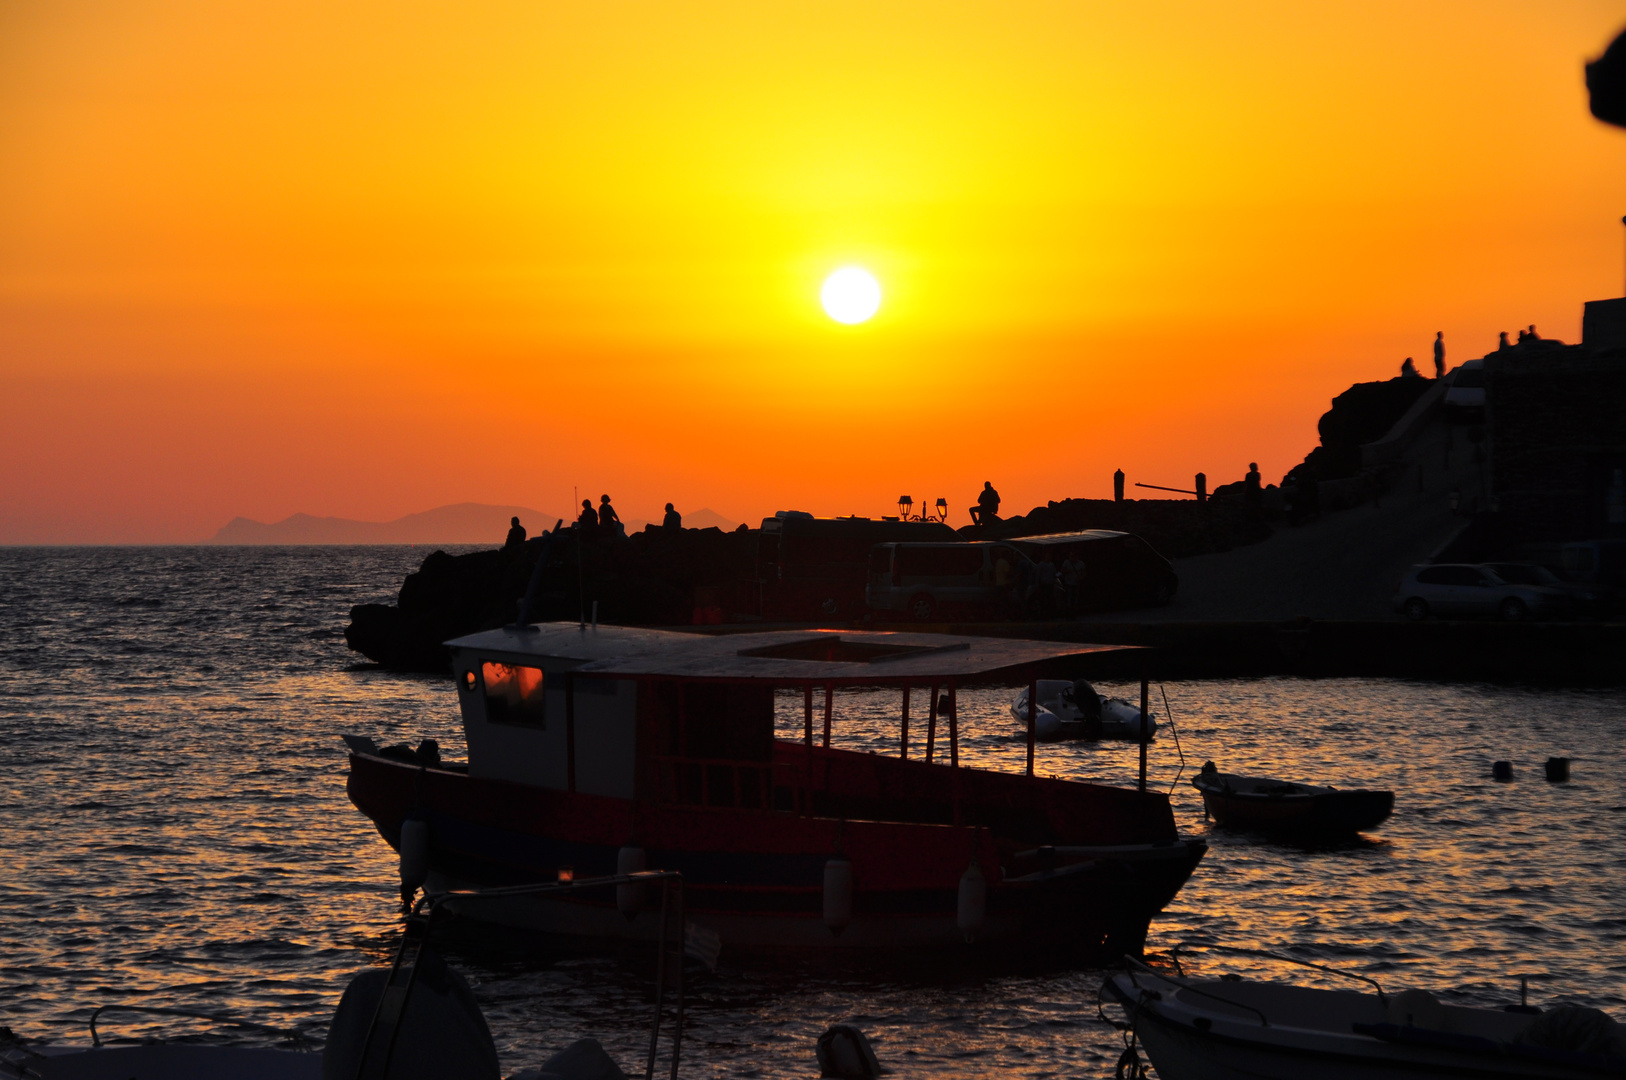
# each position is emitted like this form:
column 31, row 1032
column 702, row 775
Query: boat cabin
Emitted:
column 686, row 718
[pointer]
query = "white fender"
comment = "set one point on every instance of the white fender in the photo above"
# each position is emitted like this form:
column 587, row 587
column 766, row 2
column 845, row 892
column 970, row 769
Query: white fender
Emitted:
column 838, row 894
column 629, row 898
column 414, row 854
column 973, row 907
column 1046, row 724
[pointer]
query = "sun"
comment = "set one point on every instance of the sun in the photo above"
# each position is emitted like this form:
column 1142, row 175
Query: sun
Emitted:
column 850, row 295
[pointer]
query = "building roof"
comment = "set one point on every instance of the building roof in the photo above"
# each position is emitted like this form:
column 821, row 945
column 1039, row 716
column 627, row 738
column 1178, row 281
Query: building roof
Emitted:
column 848, row 657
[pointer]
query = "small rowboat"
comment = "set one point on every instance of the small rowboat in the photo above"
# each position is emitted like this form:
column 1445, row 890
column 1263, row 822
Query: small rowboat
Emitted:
column 1258, row 802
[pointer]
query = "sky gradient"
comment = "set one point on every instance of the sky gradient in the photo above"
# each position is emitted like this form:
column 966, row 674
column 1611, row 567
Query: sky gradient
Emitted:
column 367, row 259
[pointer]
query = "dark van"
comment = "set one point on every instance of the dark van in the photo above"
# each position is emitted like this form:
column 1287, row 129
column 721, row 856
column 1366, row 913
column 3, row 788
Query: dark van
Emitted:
column 1120, row 569
column 930, row 581
column 814, row 568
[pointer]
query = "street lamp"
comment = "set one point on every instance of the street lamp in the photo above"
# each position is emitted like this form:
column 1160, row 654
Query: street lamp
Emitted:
column 942, row 509
column 906, row 503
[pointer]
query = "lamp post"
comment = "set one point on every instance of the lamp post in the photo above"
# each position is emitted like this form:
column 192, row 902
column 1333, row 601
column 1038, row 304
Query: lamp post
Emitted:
column 942, row 510
column 906, row 504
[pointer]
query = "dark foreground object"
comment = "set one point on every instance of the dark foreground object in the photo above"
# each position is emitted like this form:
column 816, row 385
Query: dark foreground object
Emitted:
column 1200, row 1029
column 1279, row 806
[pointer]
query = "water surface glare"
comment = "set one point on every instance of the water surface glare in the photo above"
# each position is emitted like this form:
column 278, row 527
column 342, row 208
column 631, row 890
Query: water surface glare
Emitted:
column 177, row 833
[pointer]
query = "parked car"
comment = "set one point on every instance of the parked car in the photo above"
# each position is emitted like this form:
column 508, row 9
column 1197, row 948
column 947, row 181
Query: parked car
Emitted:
column 1583, row 598
column 930, row 581
column 1463, row 589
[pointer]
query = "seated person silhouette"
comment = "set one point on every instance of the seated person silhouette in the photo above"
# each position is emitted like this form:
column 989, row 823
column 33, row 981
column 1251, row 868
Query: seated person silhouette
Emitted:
column 516, row 534
column 587, row 522
column 986, row 512
column 673, row 519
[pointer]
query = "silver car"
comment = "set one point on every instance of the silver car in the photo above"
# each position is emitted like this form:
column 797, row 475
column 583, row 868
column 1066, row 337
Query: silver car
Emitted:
column 1456, row 589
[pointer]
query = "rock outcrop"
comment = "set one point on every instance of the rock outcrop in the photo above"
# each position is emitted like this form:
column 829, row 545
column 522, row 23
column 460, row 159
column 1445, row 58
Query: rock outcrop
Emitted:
column 650, row 578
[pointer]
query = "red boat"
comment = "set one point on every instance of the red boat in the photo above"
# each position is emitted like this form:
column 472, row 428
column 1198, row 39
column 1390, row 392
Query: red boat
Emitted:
column 600, row 750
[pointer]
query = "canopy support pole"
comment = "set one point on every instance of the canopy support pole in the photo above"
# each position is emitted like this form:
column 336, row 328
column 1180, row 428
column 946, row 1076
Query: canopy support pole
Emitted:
column 829, row 692
column 903, row 738
column 954, row 725
column 931, row 725
column 1033, row 719
column 807, row 737
column 1145, row 694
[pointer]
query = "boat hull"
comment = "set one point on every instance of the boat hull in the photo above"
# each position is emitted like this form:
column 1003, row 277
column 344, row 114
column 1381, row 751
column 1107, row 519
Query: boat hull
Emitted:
column 757, row 877
column 1219, row 1031
column 1319, row 813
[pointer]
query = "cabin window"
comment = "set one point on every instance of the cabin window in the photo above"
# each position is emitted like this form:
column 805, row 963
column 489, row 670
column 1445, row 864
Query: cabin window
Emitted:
column 513, row 694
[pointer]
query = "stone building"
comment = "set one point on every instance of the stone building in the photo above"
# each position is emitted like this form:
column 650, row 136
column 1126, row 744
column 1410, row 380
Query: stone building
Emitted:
column 1555, row 415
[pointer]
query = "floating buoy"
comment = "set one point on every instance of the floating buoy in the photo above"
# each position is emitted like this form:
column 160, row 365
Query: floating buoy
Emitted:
column 845, row 1052
column 973, row 906
column 838, row 894
column 629, row 898
column 1501, row 770
column 414, row 856
column 1558, row 769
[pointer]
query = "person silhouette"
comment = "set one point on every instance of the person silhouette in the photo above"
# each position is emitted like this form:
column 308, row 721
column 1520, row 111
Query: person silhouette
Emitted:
column 673, row 519
column 608, row 520
column 1251, row 491
column 1533, row 335
column 587, row 522
column 1439, row 354
column 1502, row 344
column 986, row 512
column 1409, row 370
column 516, row 533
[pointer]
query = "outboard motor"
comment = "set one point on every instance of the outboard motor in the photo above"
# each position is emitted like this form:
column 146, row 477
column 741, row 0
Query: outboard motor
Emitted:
column 416, row 1021
column 1089, row 707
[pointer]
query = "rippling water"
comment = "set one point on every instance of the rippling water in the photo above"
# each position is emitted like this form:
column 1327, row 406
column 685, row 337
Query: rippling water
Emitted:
column 176, row 833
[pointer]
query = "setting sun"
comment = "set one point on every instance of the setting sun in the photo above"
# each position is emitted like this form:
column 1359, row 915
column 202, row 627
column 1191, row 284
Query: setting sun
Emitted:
column 850, row 295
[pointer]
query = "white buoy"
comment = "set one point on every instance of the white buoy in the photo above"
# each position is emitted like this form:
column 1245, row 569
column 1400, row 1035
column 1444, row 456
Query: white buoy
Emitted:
column 629, row 898
column 838, row 894
column 973, row 906
column 414, row 855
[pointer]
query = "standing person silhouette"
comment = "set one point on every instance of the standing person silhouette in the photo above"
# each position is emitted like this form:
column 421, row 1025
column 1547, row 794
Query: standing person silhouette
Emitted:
column 608, row 520
column 516, row 534
column 1439, row 354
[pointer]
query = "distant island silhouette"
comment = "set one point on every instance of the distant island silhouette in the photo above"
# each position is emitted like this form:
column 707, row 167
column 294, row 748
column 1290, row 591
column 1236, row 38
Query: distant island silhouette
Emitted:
column 459, row 523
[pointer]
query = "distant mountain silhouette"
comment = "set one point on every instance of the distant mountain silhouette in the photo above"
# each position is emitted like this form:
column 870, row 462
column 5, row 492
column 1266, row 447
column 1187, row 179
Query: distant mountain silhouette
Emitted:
column 462, row 523
column 707, row 519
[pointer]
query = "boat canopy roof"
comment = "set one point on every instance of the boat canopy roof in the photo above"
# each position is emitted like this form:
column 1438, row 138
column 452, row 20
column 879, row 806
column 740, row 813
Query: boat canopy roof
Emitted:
column 848, row 657
column 1068, row 537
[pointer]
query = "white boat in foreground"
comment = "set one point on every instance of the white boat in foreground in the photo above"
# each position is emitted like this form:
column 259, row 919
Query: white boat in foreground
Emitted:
column 1071, row 709
column 1230, row 1029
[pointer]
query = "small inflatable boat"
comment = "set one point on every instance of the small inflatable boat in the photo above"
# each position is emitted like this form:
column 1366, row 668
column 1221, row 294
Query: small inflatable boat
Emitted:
column 1071, row 709
column 1259, row 802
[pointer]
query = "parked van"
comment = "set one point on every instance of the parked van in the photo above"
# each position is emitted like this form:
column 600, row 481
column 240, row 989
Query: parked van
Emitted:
column 930, row 581
column 814, row 568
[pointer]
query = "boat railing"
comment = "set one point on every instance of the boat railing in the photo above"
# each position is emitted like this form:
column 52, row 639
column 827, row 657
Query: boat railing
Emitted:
column 297, row 1038
column 1185, row 985
column 1174, row 954
column 627, row 887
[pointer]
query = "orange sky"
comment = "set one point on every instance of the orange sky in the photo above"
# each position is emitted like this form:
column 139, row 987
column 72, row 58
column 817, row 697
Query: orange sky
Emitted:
column 366, row 259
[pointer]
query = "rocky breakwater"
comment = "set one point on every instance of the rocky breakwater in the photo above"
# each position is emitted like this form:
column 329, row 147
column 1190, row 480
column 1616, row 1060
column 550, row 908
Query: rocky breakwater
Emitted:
column 655, row 577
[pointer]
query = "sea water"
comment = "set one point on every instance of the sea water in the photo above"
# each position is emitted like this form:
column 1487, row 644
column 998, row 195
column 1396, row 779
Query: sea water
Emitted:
column 176, row 833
